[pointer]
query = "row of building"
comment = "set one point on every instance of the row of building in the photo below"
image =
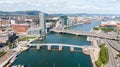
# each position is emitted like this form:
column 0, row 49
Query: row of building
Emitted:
column 7, row 36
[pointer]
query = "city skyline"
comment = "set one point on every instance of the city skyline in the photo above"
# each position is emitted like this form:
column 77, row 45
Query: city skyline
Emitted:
column 63, row 6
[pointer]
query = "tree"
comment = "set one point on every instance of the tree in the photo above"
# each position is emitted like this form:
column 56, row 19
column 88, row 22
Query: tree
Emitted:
column 118, row 54
column 98, row 63
column 9, row 44
column 103, row 56
column 2, row 53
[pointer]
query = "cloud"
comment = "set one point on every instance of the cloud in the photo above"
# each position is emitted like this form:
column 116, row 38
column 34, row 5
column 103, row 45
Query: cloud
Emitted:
column 62, row 6
column 115, row 0
column 11, row 2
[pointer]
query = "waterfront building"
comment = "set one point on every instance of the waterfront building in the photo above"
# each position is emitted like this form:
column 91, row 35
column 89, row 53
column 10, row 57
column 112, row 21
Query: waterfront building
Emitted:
column 59, row 25
column 42, row 23
column 34, row 32
column 70, row 21
column 63, row 19
column 108, row 23
column 111, row 24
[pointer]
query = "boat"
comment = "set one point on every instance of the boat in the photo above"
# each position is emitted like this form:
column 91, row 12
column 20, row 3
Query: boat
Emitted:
column 40, row 38
column 14, row 66
column 18, row 65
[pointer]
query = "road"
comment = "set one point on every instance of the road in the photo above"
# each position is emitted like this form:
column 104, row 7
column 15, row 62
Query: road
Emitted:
column 114, row 44
column 112, row 61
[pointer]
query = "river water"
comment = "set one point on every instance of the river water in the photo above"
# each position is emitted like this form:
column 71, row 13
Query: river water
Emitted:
column 55, row 58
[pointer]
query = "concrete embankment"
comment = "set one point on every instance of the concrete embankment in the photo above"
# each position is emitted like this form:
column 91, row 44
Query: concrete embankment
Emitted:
column 93, row 51
column 11, row 55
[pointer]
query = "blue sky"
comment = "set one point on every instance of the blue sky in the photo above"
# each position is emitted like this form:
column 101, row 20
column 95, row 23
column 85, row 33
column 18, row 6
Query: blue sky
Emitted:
column 63, row 6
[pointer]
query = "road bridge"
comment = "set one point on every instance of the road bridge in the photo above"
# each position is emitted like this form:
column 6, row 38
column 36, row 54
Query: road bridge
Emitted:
column 86, row 33
column 49, row 45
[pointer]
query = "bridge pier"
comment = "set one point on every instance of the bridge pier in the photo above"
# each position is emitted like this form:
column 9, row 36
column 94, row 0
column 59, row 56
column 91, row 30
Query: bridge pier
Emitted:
column 60, row 47
column 76, row 34
column 38, row 47
column 71, row 48
column 49, row 47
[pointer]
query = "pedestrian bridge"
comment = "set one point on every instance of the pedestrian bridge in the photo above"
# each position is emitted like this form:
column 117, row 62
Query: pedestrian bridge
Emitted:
column 49, row 45
column 86, row 33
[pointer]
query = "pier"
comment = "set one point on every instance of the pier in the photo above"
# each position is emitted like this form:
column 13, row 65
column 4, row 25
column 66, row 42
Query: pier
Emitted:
column 49, row 47
column 38, row 47
column 72, row 48
column 60, row 47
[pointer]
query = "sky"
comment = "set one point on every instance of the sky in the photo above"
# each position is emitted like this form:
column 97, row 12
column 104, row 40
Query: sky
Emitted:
column 63, row 6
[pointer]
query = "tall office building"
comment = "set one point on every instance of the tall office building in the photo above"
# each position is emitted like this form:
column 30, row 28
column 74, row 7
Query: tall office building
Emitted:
column 42, row 23
column 64, row 20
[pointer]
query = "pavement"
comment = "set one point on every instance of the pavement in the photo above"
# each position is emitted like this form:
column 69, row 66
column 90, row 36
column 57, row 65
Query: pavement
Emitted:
column 6, row 56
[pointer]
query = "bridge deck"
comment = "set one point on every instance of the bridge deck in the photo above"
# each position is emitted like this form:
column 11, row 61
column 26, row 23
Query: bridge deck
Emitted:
column 67, row 45
column 86, row 33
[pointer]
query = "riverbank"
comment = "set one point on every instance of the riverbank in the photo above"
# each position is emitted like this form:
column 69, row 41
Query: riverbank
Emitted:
column 9, row 57
column 14, row 53
column 94, row 51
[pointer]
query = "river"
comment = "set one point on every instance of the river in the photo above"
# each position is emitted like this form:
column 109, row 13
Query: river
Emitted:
column 55, row 58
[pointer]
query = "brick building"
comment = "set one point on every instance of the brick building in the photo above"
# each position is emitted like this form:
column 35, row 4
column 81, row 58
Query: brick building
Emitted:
column 20, row 28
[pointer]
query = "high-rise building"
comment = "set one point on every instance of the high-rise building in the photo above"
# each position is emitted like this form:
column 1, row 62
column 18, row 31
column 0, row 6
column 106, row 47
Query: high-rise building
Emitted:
column 42, row 23
column 64, row 20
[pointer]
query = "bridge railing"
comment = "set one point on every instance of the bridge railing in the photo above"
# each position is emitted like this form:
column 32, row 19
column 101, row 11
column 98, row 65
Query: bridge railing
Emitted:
column 52, row 44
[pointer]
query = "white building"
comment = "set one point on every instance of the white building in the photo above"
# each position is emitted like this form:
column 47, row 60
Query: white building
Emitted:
column 59, row 25
column 42, row 23
column 12, row 21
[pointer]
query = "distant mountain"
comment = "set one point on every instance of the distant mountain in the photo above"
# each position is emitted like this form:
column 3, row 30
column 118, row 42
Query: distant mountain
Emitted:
column 37, row 12
column 20, row 13
column 84, row 14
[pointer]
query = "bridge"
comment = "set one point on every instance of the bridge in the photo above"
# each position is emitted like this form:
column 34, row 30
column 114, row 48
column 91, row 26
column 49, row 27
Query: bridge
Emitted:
column 49, row 45
column 86, row 33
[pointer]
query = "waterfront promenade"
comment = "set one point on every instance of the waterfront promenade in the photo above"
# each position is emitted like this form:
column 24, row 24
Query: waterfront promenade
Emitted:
column 11, row 54
column 94, row 54
column 85, row 33
column 4, row 59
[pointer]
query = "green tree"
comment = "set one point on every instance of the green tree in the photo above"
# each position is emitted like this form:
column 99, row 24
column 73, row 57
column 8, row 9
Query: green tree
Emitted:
column 98, row 63
column 118, row 54
column 96, row 28
column 103, row 56
column 2, row 53
column 9, row 44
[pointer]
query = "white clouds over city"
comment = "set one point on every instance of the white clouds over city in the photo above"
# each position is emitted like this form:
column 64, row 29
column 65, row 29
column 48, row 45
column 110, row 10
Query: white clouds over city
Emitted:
column 63, row 6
